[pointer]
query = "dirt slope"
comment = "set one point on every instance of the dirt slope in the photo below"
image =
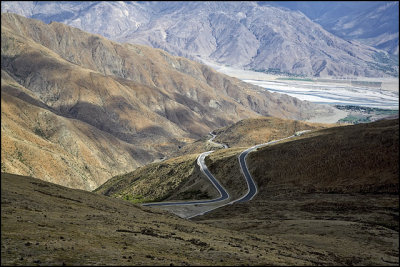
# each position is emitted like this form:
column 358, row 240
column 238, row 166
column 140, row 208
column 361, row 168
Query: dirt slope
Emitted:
column 335, row 188
column 47, row 224
column 180, row 178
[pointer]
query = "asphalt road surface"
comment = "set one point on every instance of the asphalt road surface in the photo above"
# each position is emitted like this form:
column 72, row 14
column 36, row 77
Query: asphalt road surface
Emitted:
column 251, row 185
column 223, row 193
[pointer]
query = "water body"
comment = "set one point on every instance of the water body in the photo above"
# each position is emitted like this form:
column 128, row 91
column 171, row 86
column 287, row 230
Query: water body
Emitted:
column 333, row 94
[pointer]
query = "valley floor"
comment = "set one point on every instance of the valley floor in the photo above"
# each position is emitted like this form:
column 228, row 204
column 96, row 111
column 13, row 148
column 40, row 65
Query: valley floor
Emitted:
column 360, row 91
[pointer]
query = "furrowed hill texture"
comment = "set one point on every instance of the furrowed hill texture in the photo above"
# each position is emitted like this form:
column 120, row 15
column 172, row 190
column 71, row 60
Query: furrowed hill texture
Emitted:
column 356, row 158
column 335, row 188
column 48, row 224
column 77, row 109
column 180, row 177
column 260, row 36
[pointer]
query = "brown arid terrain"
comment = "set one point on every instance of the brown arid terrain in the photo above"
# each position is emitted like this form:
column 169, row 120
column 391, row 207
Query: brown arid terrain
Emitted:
column 180, row 178
column 260, row 130
column 77, row 109
column 249, row 132
column 335, row 188
column 47, row 224
column 176, row 178
column 345, row 213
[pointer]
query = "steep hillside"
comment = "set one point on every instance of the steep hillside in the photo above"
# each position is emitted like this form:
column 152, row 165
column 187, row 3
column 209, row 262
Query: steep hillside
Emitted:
column 180, row 178
column 176, row 178
column 249, row 132
column 107, row 108
column 260, row 130
column 37, row 141
column 360, row 158
column 47, row 224
column 335, row 188
column 374, row 23
column 357, row 158
column 248, row 35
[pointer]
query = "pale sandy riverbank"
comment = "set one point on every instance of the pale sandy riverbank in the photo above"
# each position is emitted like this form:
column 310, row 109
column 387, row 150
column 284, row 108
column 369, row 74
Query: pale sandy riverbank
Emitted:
column 332, row 118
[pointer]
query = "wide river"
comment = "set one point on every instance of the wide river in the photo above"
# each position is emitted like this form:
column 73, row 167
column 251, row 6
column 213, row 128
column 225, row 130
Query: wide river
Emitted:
column 333, row 93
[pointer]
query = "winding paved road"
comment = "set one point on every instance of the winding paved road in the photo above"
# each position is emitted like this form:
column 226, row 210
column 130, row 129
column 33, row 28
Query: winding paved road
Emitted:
column 214, row 143
column 251, row 185
column 223, row 193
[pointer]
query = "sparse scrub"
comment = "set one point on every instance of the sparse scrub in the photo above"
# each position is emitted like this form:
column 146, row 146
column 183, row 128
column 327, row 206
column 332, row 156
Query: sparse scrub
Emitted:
column 154, row 182
column 359, row 158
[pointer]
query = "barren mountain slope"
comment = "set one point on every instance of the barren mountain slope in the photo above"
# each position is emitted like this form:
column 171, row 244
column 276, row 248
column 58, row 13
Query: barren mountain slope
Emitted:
column 37, row 141
column 374, row 23
column 354, row 158
column 266, row 38
column 252, row 35
column 143, row 99
column 47, row 224
column 260, row 130
column 249, row 132
column 180, row 178
column 335, row 188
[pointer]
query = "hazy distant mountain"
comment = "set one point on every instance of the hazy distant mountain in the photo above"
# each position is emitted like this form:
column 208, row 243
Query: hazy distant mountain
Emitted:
column 241, row 34
column 374, row 23
column 77, row 108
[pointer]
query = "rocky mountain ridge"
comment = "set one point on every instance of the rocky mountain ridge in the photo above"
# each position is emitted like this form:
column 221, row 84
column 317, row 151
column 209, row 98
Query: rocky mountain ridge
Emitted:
column 374, row 23
column 78, row 108
column 240, row 34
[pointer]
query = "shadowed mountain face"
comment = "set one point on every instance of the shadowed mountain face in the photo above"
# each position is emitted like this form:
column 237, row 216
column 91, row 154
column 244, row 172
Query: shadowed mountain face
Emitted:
column 360, row 158
column 335, row 188
column 78, row 108
column 249, row 35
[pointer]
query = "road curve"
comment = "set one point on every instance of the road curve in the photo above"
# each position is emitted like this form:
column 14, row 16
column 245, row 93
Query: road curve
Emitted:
column 223, row 193
column 216, row 144
column 251, row 185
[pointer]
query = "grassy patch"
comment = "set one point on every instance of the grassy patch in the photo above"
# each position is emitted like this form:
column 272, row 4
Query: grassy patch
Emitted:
column 277, row 71
column 156, row 181
column 360, row 114
column 354, row 119
column 135, row 199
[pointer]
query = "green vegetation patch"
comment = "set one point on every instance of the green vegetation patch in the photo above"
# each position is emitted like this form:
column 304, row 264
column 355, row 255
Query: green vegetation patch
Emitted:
column 360, row 114
column 296, row 79
column 354, row 119
column 135, row 199
column 151, row 183
column 277, row 71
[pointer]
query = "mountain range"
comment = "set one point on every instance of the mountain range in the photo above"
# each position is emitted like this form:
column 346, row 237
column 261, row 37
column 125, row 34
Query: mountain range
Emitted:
column 374, row 23
column 270, row 37
column 78, row 108
column 93, row 129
